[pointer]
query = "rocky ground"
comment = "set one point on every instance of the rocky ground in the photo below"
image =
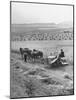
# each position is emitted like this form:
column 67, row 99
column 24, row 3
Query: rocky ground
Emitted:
column 33, row 79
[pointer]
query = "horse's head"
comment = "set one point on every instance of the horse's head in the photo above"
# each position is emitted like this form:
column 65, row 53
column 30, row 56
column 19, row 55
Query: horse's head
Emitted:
column 20, row 49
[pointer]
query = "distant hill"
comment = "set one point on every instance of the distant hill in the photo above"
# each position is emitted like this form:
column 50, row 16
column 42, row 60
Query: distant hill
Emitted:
column 40, row 27
column 65, row 25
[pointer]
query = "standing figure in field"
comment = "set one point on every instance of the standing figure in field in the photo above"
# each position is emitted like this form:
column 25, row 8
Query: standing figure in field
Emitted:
column 61, row 53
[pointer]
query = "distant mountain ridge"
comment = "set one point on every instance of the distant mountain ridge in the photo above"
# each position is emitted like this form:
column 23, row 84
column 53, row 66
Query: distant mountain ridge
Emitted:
column 23, row 28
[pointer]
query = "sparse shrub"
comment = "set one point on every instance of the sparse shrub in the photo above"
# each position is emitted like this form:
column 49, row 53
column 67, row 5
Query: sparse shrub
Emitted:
column 67, row 76
column 51, row 81
column 45, row 36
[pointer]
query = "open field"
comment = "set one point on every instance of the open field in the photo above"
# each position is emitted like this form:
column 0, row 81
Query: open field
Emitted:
column 36, row 79
column 46, row 46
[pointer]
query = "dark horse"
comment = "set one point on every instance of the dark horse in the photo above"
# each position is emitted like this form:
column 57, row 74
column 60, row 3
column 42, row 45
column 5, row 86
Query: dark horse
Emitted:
column 22, row 51
column 27, row 53
column 37, row 54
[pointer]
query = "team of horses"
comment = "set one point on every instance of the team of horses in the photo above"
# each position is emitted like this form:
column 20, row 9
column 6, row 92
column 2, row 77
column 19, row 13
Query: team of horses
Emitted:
column 26, row 53
column 33, row 55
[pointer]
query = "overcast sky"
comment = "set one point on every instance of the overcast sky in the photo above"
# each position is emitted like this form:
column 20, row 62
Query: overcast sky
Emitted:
column 40, row 13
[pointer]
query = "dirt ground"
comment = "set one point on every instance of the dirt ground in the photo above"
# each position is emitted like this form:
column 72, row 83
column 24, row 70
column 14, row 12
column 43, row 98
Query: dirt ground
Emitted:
column 33, row 79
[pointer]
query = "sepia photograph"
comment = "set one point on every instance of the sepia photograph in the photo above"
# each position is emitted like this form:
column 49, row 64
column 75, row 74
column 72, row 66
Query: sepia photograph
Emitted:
column 41, row 49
